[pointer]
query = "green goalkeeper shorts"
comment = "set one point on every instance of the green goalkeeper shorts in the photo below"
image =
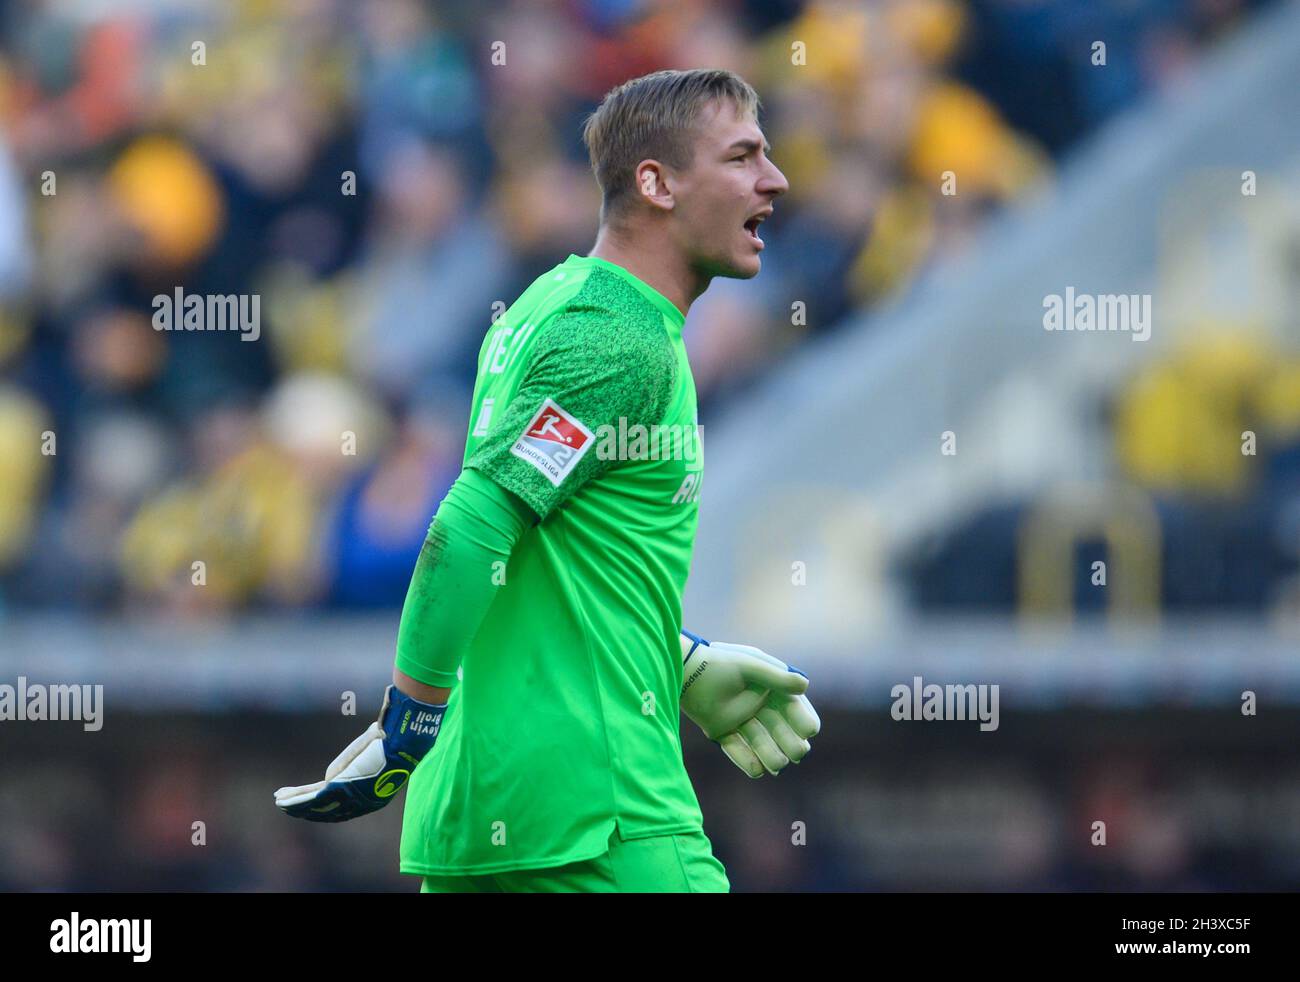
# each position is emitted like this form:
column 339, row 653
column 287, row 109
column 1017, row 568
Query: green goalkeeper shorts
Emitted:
column 682, row 863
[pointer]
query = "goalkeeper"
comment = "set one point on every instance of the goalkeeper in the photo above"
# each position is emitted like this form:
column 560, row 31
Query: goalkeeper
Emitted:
column 541, row 666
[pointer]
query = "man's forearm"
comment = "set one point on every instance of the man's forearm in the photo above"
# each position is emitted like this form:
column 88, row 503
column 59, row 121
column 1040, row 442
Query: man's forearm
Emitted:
column 476, row 527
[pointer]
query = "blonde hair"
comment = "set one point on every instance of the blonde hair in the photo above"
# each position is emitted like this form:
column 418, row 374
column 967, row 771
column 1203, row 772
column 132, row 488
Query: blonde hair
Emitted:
column 654, row 117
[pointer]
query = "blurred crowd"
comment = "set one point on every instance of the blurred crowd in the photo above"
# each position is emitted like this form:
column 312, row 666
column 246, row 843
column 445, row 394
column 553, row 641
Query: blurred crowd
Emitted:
column 385, row 175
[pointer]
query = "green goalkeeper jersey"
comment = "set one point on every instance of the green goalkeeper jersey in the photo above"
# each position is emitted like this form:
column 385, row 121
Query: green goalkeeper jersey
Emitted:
column 565, row 725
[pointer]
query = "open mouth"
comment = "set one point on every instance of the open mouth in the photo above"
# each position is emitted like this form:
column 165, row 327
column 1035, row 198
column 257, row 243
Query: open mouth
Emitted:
column 751, row 226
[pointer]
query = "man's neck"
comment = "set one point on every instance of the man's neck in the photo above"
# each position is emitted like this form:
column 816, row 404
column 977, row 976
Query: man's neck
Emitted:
column 656, row 264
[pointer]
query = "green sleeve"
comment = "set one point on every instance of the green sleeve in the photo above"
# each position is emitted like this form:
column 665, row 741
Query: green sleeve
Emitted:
column 598, row 369
column 454, row 584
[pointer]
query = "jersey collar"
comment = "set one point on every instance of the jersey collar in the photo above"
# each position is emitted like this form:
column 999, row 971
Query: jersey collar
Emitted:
column 675, row 316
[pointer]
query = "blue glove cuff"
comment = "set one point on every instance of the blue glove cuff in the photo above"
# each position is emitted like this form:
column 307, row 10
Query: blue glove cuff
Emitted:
column 697, row 642
column 410, row 726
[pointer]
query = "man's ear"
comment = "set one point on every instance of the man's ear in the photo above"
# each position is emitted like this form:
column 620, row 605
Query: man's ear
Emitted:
column 652, row 184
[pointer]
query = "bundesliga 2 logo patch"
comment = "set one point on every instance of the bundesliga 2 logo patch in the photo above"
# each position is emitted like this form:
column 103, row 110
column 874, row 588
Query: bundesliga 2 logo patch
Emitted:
column 554, row 442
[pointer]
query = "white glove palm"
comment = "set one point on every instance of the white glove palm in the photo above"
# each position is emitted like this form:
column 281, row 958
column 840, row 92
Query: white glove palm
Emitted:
column 752, row 704
column 364, row 757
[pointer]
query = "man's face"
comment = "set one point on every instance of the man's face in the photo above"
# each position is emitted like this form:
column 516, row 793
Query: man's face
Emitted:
column 726, row 192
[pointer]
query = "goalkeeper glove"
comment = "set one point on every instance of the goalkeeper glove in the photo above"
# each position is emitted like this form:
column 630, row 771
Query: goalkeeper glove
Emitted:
column 750, row 703
column 373, row 767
